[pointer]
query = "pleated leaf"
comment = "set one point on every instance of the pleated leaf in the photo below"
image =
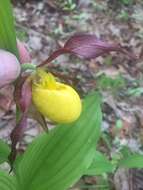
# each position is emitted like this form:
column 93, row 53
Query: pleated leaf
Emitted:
column 99, row 165
column 55, row 161
column 7, row 182
column 4, row 152
column 7, row 29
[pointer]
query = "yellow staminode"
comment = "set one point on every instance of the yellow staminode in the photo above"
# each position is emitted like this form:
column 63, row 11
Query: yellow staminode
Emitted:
column 56, row 101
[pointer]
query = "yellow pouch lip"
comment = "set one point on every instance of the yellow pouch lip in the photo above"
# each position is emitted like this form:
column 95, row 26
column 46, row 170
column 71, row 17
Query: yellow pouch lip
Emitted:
column 58, row 87
column 55, row 93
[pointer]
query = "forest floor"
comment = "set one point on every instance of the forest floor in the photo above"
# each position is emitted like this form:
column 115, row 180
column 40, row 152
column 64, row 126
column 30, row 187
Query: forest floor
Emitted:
column 46, row 25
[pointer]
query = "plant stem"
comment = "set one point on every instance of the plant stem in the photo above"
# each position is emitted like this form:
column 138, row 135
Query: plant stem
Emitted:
column 28, row 66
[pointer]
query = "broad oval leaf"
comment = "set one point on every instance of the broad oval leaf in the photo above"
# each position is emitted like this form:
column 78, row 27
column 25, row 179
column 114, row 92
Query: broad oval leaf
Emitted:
column 7, row 29
column 4, row 151
column 58, row 159
column 7, row 182
column 99, row 165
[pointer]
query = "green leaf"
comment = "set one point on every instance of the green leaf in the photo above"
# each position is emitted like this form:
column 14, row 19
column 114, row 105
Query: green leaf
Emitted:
column 127, row 2
column 57, row 160
column 119, row 124
column 132, row 161
column 125, row 152
column 135, row 91
column 7, row 182
column 4, row 152
column 7, row 29
column 99, row 165
column 17, row 162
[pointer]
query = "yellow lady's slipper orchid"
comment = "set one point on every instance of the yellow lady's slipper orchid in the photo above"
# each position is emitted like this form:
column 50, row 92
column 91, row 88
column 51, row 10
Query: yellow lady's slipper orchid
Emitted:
column 56, row 101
